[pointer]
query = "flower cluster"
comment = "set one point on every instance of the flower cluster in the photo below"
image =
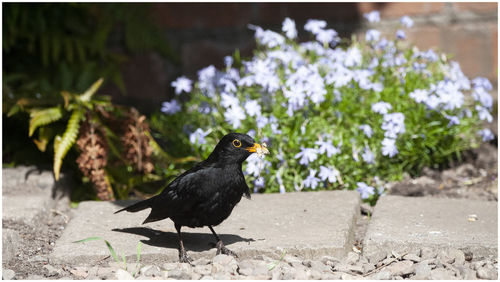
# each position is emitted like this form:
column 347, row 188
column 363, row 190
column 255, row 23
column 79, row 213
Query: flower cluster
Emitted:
column 335, row 115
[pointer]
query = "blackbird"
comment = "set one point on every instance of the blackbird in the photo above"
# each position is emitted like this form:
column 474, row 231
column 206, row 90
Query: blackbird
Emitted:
column 206, row 194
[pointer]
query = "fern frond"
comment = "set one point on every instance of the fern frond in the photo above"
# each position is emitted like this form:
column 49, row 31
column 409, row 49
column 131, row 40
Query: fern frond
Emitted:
column 43, row 117
column 85, row 97
column 64, row 143
column 158, row 151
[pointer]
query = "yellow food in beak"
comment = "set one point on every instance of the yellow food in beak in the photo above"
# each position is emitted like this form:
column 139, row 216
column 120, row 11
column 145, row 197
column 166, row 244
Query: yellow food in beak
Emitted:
column 259, row 149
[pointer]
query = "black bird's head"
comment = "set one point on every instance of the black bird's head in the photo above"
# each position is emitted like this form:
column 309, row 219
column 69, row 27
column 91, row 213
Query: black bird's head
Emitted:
column 234, row 148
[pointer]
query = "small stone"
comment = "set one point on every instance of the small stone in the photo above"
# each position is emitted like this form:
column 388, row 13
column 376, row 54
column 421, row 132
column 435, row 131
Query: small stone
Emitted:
column 277, row 273
column 195, row 276
column 203, row 269
column 8, row 274
column 468, row 255
column 201, row 261
column 352, row 258
column 291, row 259
column 302, row 274
column 347, row 276
column 260, row 269
column 486, row 273
column 342, row 267
column 442, row 274
column 366, row 209
column 367, row 267
column 412, row 257
column 307, row 263
column 224, row 264
column 52, row 271
column 377, row 257
column 330, row 261
column 400, row 268
column 315, row 274
column 207, row 277
column 331, row 276
column 170, row 265
column 222, row 276
column 223, row 259
column 422, row 271
column 105, row 272
column 151, row 271
column 79, row 272
column 382, row 275
column 289, row 274
column 357, row 268
column 320, row 266
column 123, row 275
column 452, row 256
column 427, row 253
column 478, row 264
column 37, row 258
column 178, row 274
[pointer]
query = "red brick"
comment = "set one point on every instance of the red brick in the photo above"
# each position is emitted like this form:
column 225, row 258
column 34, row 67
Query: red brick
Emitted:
column 477, row 7
column 425, row 37
column 392, row 10
column 494, row 52
column 201, row 15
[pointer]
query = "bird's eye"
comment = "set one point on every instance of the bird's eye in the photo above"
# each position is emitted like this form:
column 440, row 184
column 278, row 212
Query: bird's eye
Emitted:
column 236, row 143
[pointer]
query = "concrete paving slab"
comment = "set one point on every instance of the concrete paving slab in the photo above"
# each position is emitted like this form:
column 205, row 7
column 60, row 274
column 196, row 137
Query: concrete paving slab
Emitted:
column 408, row 223
column 311, row 224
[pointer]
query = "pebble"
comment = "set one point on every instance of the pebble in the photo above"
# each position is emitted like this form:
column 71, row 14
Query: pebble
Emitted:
column 487, row 273
column 382, row 275
column 203, row 269
column 412, row 257
column 352, row 258
column 79, row 272
column 427, row 253
column 422, row 271
column 121, row 274
column 52, row 271
column 178, row 274
column 400, row 268
column 442, row 274
column 8, row 274
column 151, row 271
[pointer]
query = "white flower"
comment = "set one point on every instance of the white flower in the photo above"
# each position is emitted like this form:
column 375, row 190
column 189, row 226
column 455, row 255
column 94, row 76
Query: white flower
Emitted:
column 314, row 26
column 373, row 16
column 307, row 155
column 198, row 137
column 381, row 107
column 367, row 130
column 253, row 108
column 406, row 21
column 486, row 134
column 368, row 156
column 419, row 95
column 182, row 84
column 353, row 57
column 234, row 115
column 325, row 36
column 327, row 147
column 372, row 35
column 365, row 190
column 389, row 147
column 171, row 107
column 289, row 28
column 311, row 181
column 330, row 174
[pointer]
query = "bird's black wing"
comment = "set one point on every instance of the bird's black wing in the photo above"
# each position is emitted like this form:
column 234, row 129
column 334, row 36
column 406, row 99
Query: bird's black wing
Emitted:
column 183, row 193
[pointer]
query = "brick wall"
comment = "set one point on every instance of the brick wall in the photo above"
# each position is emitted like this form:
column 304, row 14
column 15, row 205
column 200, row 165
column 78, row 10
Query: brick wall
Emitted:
column 203, row 33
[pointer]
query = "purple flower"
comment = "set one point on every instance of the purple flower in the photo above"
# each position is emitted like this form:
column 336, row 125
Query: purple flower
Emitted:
column 171, row 107
column 314, row 26
column 327, row 147
column 368, row 156
column 307, row 155
column 259, row 182
column 311, row 181
column 229, row 100
column 381, row 107
column 353, row 57
column 453, row 120
column 289, row 28
column 482, row 82
column 373, row 16
column 406, row 21
column 400, row 34
column 367, row 130
column 234, row 115
column 365, row 190
column 479, row 94
column 228, row 61
column 372, row 35
column 253, row 108
column 483, row 113
column 198, row 136
column 261, row 121
column 389, row 147
column 330, row 174
column 182, row 84
column 393, row 124
column 325, row 36
column 267, row 38
column 486, row 134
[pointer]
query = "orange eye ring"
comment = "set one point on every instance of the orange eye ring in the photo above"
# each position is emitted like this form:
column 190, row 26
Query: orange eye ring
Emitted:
column 236, row 143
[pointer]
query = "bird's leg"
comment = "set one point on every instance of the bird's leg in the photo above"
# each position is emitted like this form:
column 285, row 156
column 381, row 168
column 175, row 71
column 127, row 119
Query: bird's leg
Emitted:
column 221, row 249
column 183, row 257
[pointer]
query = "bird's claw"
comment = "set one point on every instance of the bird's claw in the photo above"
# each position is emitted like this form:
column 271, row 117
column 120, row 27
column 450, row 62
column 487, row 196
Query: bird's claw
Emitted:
column 183, row 257
column 221, row 249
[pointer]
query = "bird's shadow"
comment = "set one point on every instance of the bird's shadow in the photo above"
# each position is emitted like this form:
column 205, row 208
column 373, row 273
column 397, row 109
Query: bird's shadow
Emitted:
column 192, row 241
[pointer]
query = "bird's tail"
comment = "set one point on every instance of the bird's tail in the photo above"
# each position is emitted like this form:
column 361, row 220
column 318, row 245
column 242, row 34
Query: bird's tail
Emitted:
column 139, row 206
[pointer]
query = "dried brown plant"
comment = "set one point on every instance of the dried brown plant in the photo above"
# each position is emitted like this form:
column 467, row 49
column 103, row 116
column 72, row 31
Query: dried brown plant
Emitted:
column 137, row 149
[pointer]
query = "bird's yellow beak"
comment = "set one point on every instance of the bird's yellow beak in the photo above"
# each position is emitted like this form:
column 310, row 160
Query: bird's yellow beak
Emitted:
column 258, row 148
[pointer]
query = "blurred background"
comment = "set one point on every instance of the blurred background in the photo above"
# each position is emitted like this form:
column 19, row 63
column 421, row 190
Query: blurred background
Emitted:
column 140, row 48
column 147, row 46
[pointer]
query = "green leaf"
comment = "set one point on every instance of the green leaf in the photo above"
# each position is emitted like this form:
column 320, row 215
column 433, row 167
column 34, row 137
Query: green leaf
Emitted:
column 43, row 117
column 85, row 97
column 64, row 143
column 87, row 239
column 112, row 251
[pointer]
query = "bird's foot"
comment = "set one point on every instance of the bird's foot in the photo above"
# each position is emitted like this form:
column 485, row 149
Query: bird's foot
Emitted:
column 183, row 257
column 221, row 249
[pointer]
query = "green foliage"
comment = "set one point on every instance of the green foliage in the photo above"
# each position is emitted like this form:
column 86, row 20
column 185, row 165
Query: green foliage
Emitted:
column 313, row 104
